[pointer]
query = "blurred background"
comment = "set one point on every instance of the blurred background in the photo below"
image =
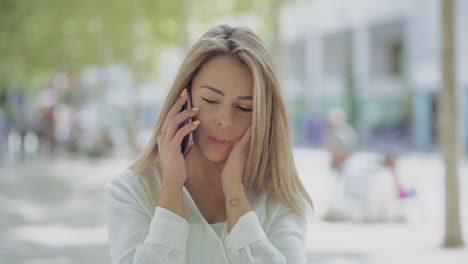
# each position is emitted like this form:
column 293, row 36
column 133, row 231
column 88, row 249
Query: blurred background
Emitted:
column 380, row 130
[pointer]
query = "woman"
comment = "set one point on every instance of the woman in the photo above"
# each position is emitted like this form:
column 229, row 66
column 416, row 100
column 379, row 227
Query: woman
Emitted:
column 236, row 197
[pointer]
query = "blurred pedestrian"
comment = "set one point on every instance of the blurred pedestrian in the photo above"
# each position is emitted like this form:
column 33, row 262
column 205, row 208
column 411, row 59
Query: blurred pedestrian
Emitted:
column 21, row 121
column 365, row 187
column 340, row 139
column 370, row 191
column 3, row 126
column 47, row 103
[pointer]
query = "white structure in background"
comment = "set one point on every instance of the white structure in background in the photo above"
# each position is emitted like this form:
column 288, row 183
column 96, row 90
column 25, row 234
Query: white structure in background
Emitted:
column 114, row 102
column 388, row 50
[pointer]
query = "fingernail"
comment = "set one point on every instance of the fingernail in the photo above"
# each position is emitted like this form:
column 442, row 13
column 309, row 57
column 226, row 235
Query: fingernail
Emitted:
column 196, row 122
column 195, row 108
column 183, row 92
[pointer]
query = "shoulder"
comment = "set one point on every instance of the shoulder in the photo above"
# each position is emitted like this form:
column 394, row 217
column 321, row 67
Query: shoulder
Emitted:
column 130, row 185
column 275, row 215
column 267, row 207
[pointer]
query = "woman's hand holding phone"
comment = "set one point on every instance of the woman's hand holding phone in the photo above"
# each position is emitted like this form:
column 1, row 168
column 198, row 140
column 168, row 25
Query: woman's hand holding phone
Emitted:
column 174, row 173
column 169, row 143
column 170, row 140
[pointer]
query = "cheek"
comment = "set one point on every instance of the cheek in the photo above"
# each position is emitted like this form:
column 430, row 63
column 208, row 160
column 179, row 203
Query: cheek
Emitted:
column 242, row 126
column 205, row 117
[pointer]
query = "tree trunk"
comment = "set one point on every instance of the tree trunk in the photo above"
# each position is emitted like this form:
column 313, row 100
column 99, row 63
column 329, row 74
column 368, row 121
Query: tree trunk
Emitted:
column 449, row 129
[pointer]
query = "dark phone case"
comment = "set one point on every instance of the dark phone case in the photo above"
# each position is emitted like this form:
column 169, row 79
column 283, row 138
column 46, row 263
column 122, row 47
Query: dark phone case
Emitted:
column 187, row 142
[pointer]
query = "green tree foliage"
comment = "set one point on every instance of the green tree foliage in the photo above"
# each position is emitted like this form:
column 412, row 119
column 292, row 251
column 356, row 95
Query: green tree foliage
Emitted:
column 40, row 37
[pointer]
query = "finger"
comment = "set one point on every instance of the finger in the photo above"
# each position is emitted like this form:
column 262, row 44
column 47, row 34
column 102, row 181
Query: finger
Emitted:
column 162, row 136
column 176, row 107
column 185, row 130
column 246, row 136
column 174, row 124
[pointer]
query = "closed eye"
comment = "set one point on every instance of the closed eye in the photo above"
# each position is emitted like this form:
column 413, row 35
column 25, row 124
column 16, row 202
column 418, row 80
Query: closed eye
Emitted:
column 244, row 109
column 240, row 108
column 209, row 101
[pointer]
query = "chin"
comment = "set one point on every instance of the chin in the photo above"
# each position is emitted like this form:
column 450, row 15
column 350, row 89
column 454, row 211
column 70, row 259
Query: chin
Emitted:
column 210, row 153
column 213, row 156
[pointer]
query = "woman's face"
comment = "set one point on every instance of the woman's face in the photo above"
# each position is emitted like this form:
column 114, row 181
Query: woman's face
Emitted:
column 223, row 91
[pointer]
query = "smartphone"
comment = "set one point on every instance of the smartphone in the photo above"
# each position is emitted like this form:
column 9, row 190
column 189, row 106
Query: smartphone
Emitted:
column 187, row 142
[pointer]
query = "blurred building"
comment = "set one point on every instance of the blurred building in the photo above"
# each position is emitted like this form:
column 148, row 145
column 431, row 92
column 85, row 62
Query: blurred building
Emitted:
column 115, row 109
column 378, row 60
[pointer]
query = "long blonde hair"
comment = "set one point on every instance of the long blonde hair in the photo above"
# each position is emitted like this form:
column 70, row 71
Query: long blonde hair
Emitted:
column 270, row 166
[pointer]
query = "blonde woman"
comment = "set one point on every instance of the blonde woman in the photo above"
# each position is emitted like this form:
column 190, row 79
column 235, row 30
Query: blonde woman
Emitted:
column 236, row 197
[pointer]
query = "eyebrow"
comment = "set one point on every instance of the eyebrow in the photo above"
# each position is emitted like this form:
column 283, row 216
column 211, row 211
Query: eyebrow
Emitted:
column 222, row 93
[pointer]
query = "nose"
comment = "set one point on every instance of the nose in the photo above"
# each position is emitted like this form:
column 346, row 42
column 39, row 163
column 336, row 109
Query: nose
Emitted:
column 224, row 119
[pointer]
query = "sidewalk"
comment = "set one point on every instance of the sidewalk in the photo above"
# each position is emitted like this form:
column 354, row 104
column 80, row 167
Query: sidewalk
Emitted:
column 347, row 243
column 417, row 240
column 52, row 212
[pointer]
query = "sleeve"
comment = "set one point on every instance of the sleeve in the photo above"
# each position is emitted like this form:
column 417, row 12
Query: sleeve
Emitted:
column 248, row 243
column 135, row 237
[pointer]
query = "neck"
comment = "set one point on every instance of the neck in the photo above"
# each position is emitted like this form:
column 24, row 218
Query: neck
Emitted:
column 201, row 171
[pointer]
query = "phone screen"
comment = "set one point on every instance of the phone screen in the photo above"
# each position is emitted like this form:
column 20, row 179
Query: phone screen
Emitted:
column 187, row 142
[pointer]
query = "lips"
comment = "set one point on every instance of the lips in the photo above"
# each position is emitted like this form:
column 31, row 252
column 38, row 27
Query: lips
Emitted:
column 219, row 142
column 219, row 139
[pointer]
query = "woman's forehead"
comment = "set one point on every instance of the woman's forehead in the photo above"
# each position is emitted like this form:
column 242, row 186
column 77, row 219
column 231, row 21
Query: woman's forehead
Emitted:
column 225, row 76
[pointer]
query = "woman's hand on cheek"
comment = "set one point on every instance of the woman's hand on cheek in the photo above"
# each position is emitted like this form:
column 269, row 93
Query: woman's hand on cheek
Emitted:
column 233, row 170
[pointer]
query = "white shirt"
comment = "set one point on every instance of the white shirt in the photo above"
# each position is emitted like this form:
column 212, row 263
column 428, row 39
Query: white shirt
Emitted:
column 140, row 232
column 218, row 227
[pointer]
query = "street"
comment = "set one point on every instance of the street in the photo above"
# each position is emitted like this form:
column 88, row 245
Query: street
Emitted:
column 52, row 212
